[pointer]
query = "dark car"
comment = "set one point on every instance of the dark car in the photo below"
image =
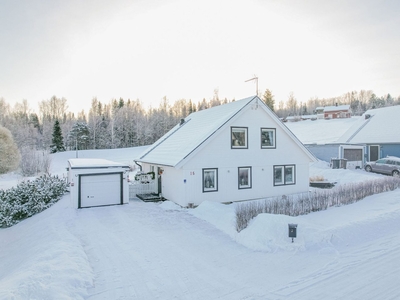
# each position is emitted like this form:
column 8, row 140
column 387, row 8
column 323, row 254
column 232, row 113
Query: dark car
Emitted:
column 389, row 165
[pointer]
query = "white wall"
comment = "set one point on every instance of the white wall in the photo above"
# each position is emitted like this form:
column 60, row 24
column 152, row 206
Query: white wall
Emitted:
column 184, row 184
column 217, row 153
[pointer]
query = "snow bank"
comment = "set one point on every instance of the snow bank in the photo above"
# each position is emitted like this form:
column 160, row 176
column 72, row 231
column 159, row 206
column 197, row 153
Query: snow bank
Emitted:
column 315, row 231
column 220, row 215
column 41, row 259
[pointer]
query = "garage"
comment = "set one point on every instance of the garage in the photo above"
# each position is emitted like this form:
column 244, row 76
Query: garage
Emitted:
column 97, row 182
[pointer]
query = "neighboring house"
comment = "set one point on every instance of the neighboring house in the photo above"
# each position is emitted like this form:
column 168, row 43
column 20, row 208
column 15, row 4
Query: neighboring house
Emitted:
column 353, row 154
column 337, row 111
column 319, row 111
column 233, row 152
column 378, row 131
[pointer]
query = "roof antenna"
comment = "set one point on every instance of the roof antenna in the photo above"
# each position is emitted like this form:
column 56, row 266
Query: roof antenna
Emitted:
column 256, row 79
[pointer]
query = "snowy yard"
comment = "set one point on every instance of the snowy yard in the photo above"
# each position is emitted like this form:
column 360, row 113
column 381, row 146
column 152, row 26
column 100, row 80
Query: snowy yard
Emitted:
column 161, row 251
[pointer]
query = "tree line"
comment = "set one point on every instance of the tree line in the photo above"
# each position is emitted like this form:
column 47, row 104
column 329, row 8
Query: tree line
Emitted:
column 128, row 123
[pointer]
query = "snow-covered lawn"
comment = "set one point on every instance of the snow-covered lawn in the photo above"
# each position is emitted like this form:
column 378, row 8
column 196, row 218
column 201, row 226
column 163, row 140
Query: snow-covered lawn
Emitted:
column 161, row 251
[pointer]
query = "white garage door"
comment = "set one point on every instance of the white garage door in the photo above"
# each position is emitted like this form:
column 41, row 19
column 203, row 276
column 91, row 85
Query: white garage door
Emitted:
column 100, row 189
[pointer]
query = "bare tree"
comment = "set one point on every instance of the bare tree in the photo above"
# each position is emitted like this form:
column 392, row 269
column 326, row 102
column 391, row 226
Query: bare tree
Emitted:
column 291, row 104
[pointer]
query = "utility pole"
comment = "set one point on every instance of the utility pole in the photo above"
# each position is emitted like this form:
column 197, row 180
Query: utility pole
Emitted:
column 256, row 79
column 76, row 146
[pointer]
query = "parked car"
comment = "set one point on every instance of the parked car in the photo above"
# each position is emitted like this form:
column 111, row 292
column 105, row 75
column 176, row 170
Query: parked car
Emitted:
column 389, row 165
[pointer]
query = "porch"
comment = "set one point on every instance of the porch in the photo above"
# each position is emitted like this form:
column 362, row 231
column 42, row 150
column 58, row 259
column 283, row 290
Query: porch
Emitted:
column 145, row 188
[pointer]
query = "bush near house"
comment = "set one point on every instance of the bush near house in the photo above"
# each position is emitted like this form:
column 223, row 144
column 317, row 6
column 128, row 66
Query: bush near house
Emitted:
column 29, row 198
column 316, row 201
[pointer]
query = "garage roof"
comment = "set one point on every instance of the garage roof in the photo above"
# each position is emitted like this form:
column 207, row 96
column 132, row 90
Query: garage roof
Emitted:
column 376, row 126
column 94, row 163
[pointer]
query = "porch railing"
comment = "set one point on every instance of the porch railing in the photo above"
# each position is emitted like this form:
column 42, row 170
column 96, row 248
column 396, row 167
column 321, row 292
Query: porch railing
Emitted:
column 145, row 185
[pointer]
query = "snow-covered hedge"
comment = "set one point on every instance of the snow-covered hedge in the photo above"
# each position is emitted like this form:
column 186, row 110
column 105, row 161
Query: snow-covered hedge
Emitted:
column 29, row 198
column 315, row 201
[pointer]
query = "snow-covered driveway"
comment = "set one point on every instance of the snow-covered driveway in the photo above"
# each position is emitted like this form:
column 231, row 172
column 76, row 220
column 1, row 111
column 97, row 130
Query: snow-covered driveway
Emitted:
column 141, row 251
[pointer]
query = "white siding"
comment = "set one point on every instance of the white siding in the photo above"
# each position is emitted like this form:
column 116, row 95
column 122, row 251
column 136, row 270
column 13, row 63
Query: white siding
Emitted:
column 183, row 183
column 217, row 153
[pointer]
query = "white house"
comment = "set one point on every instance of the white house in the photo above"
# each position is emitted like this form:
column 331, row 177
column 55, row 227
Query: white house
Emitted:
column 97, row 182
column 233, row 152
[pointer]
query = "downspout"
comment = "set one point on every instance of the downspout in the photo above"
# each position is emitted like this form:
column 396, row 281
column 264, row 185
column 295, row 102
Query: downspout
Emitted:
column 140, row 166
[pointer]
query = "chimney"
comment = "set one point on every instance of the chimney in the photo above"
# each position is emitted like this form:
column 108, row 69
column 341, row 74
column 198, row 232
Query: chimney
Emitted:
column 182, row 122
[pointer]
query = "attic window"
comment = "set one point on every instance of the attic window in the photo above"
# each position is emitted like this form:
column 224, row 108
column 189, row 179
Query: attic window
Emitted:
column 268, row 138
column 239, row 138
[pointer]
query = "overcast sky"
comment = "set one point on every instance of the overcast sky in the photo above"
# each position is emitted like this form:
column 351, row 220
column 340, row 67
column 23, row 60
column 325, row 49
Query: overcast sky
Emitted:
column 148, row 49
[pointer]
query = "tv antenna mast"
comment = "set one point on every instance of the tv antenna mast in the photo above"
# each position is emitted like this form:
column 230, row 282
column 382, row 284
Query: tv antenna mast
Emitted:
column 256, row 80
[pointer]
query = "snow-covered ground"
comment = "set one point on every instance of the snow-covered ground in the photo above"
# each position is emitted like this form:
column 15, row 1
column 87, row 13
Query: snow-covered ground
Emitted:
column 161, row 251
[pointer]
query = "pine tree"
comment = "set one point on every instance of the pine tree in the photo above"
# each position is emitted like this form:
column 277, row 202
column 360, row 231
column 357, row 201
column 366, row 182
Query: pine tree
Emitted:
column 268, row 99
column 78, row 137
column 57, row 141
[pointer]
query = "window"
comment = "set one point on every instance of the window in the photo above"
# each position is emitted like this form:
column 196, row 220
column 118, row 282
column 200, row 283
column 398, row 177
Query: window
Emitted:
column 284, row 175
column 244, row 177
column 239, row 137
column 210, row 180
column 268, row 138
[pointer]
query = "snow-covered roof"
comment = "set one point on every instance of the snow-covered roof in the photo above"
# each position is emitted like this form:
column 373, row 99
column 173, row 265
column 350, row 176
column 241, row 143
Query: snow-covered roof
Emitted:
column 183, row 139
column 378, row 125
column 96, row 163
column 321, row 131
column 336, row 107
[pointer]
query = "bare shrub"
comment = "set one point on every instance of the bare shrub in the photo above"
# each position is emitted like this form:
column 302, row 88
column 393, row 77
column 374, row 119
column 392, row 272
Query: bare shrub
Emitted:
column 316, row 201
column 317, row 178
column 34, row 162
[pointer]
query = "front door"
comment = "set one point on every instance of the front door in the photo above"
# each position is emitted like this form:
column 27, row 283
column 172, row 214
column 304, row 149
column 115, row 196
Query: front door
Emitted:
column 373, row 152
column 159, row 172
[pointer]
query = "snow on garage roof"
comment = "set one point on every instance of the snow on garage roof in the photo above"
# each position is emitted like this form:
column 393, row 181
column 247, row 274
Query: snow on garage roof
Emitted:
column 95, row 163
column 375, row 126
column 181, row 140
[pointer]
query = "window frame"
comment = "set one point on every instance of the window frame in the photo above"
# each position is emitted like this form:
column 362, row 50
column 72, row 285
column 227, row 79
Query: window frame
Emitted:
column 214, row 171
column 283, row 180
column 241, row 185
column 265, row 129
column 245, row 139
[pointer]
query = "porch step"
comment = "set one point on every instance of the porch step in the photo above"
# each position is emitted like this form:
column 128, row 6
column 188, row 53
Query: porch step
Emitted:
column 151, row 197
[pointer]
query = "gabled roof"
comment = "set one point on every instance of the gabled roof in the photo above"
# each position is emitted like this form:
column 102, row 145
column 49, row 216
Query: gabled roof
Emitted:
column 375, row 126
column 198, row 127
column 336, row 108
